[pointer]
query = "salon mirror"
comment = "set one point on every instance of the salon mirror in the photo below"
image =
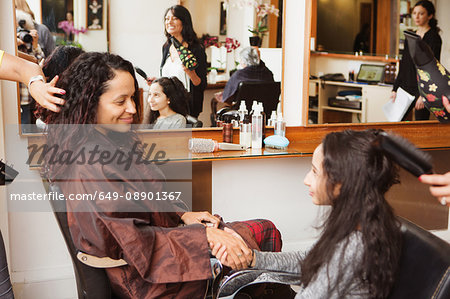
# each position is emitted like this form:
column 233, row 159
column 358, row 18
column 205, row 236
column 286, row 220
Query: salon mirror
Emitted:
column 337, row 45
column 135, row 30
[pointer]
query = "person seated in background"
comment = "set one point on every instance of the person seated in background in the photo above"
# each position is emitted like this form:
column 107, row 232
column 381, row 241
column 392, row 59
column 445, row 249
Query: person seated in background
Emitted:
column 252, row 69
column 358, row 252
column 166, row 247
column 167, row 105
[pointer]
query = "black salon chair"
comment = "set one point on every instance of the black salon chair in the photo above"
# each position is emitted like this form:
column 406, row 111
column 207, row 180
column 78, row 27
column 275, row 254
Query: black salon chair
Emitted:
column 92, row 283
column 192, row 122
column 266, row 92
column 424, row 265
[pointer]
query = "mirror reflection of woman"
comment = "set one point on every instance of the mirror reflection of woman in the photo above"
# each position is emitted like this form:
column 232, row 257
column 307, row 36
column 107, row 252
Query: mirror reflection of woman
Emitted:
column 166, row 247
column 424, row 18
column 167, row 104
column 178, row 24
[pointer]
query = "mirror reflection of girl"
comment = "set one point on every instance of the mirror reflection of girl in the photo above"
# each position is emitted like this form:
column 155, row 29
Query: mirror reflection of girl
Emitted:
column 358, row 251
column 167, row 104
column 424, row 18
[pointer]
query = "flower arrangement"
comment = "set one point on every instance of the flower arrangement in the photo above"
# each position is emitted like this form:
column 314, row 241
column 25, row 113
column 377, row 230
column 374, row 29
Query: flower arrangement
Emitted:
column 231, row 44
column 210, row 41
column 68, row 28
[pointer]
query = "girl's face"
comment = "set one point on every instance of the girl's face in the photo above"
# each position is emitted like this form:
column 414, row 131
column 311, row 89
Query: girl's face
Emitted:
column 421, row 16
column 174, row 26
column 316, row 178
column 157, row 98
column 116, row 106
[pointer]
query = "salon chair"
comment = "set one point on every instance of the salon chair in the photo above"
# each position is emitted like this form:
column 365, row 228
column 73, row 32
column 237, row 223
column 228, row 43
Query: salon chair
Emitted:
column 92, row 283
column 424, row 270
column 193, row 122
column 266, row 92
column 91, row 278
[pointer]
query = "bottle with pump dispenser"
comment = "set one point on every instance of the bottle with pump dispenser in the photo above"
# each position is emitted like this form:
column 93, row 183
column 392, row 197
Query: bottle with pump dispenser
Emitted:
column 264, row 121
column 257, row 127
column 245, row 132
column 227, row 130
column 280, row 125
column 242, row 111
column 273, row 119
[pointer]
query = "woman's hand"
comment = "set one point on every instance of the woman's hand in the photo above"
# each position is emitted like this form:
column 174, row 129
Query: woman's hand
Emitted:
column 419, row 103
column 235, row 253
column 446, row 103
column 44, row 93
column 393, row 96
column 192, row 75
column 440, row 186
column 200, row 217
column 150, row 80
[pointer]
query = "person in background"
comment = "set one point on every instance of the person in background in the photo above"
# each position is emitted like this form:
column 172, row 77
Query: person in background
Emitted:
column 362, row 39
column 357, row 254
column 20, row 70
column 167, row 104
column 178, row 24
column 166, row 246
column 440, row 183
column 252, row 69
column 424, row 18
column 45, row 37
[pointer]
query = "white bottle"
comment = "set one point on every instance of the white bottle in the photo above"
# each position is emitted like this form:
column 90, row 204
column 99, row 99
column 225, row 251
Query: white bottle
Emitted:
column 257, row 126
column 280, row 125
column 245, row 133
column 273, row 119
column 242, row 111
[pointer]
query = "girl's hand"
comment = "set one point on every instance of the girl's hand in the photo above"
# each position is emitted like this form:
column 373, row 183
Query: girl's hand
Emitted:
column 393, row 96
column 200, row 218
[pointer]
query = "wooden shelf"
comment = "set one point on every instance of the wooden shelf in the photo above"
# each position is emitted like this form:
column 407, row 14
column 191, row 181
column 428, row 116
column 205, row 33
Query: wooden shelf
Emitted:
column 342, row 109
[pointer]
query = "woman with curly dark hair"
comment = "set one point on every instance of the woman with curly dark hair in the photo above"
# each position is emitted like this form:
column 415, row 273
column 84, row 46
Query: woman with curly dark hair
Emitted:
column 167, row 104
column 118, row 204
column 358, row 252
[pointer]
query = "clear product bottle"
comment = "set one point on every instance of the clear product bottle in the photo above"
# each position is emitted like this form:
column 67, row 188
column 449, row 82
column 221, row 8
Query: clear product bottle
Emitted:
column 245, row 133
column 242, row 111
column 264, row 120
column 280, row 125
column 257, row 124
column 273, row 119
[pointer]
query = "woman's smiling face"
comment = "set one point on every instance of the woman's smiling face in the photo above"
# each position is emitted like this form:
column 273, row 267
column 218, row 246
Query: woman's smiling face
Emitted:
column 116, row 107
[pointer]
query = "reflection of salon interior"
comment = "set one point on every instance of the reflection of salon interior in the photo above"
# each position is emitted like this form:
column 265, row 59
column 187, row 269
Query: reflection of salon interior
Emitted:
column 370, row 33
column 257, row 183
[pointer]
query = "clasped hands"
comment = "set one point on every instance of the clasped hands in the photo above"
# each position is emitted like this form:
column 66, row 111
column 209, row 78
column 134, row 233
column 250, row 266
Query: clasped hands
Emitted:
column 226, row 245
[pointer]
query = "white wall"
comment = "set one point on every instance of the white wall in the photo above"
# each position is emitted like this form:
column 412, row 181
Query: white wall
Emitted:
column 442, row 9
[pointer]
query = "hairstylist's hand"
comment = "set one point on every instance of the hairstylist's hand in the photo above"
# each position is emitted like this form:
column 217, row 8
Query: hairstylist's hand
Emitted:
column 44, row 93
column 440, row 186
column 238, row 253
column 446, row 103
column 150, row 80
column 34, row 34
column 393, row 96
column 200, row 217
column 220, row 252
column 419, row 103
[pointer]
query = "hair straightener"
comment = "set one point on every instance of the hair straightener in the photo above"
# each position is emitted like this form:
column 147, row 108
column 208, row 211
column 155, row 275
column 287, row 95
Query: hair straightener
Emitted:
column 404, row 153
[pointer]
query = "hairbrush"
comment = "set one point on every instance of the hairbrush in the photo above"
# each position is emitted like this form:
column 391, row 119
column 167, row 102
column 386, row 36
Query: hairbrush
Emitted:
column 404, row 153
column 141, row 73
column 202, row 145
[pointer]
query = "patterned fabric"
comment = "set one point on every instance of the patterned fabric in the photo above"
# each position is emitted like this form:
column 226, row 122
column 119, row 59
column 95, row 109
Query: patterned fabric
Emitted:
column 186, row 56
column 266, row 234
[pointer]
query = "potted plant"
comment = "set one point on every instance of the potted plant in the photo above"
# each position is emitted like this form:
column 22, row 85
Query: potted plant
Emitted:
column 261, row 29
